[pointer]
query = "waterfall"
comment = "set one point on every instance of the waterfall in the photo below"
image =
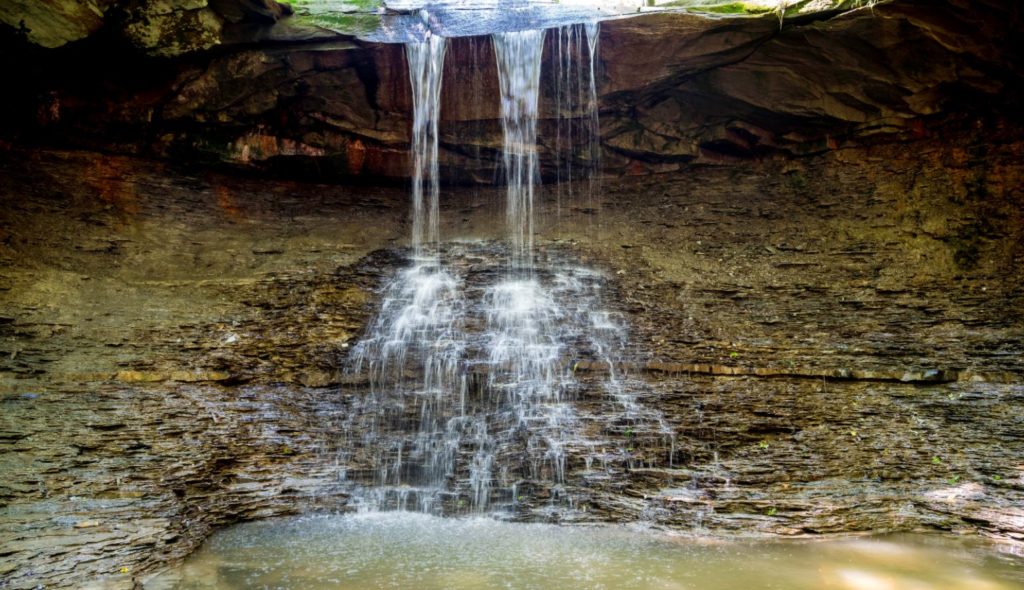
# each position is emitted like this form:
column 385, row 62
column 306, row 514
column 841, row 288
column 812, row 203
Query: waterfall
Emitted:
column 518, row 55
column 415, row 346
column 426, row 63
column 470, row 374
column 577, row 124
column 594, row 144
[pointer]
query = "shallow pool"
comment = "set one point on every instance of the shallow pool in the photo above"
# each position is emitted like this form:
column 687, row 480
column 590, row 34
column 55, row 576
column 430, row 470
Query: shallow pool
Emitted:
column 408, row 550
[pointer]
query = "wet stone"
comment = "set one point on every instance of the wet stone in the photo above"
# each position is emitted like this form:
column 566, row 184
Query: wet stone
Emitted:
column 821, row 401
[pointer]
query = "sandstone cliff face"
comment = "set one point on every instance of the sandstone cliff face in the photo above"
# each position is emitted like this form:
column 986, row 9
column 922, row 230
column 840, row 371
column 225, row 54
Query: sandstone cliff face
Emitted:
column 834, row 340
column 674, row 88
column 815, row 233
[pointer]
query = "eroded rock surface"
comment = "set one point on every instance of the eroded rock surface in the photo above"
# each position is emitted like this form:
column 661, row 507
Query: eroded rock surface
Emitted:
column 52, row 23
column 815, row 233
column 675, row 88
column 834, row 341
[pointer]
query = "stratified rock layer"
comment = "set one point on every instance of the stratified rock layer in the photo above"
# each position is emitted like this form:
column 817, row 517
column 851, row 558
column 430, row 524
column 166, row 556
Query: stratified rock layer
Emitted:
column 835, row 341
column 815, row 232
column 675, row 89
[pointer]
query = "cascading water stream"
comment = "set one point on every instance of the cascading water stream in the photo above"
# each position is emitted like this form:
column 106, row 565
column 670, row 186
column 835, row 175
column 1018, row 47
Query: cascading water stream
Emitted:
column 577, row 124
column 594, row 139
column 519, row 55
column 414, row 350
column 472, row 392
column 426, row 64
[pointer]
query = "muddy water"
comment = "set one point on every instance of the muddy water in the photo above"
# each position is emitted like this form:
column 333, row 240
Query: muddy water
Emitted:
column 407, row 550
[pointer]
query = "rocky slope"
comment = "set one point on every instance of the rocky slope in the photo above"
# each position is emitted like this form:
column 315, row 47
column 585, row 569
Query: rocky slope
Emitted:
column 835, row 342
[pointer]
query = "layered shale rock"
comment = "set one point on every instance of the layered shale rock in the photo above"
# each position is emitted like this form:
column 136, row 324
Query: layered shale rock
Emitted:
column 810, row 86
column 674, row 87
column 814, row 231
column 148, row 392
column 103, row 482
column 827, row 365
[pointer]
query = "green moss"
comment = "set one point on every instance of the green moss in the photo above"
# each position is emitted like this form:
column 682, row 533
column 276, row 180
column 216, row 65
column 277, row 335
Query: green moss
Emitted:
column 734, row 8
column 808, row 6
column 348, row 24
column 328, row 6
column 723, row 7
column 741, row 8
column 851, row 4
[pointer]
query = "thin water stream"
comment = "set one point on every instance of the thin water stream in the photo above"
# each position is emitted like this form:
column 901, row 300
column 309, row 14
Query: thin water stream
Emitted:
column 405, row 550
column 426, row 63
column 519, row 56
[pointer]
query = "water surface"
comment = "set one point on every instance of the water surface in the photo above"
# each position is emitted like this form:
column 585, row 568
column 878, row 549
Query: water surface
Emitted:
column 412, row 550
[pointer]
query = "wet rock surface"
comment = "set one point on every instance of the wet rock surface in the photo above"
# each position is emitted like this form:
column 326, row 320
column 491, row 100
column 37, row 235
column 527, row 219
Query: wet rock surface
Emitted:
column 863, row 279
column 675, row 89
column 104, row 481
column 834, row 340
column 131, row 426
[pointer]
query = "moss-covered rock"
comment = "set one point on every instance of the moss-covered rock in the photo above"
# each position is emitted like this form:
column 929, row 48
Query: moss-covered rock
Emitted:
column 53, row 23
column 157, row 27
column 166, row 28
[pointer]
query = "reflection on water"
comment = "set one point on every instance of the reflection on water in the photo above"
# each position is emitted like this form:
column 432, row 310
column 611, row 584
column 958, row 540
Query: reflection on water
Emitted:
column 409, row 550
